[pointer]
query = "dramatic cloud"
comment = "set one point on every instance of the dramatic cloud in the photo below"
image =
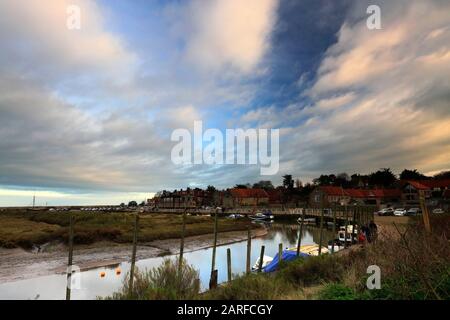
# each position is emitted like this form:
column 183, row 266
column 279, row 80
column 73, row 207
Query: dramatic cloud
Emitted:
column 87, row 115
column 227, row 33
column 386, row 94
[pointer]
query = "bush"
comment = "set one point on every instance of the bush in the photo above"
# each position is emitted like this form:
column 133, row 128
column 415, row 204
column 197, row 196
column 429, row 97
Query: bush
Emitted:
column 250, row 287
column 313, row 270
column 336, row 291
column 162, row 283
column 414, row 265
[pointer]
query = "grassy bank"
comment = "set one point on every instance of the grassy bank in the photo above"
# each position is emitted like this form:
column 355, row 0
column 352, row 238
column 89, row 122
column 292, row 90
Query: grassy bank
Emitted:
column 21, row 228
column 414, row 265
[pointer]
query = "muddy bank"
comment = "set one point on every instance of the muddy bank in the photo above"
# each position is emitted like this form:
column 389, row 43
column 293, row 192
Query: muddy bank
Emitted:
column 18, row 264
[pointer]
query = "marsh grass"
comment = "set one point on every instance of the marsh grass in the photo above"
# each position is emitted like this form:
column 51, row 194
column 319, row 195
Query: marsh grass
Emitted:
column 21, row 228
column 164, row 282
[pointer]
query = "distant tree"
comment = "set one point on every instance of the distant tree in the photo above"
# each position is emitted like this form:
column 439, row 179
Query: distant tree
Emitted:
column 122, row 204
column 211, row 189
column 132, row 204
column 242, row 186
column 142, row 204
column 358, row 181
column 383, row 177
column 412, row 175
column 342, row 180
column 324, row 180
column 306, row 190
column 298, row 184
column 264, row 184
column 288, row 182
column 442, row 175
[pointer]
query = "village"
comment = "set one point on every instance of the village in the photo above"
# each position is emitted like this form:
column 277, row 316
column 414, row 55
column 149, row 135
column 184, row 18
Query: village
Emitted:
column 401, row 194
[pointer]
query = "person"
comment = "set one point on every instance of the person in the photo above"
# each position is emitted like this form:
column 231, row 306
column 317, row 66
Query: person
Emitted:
column 373, row 230
column 361, row 237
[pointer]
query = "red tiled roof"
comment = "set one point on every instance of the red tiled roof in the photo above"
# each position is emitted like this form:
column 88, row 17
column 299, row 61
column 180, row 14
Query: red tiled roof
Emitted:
column 418, row 185
column 436, row 183
column 355, row 193
column 361, row 193
column 428, row 184
column 249, row 193
column 274, row 195
column 332, row 191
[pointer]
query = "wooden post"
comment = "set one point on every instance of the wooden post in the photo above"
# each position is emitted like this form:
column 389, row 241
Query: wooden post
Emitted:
column 334, row 229
column 69, row 264
column 214, row 272
column 213, row 264
column 425, row 214
column 213, row 280
column 261, row 258
column 133, row 255
column 229, row 263
column 249, row 250
column 321, row 231
column 299, row 241
column 353, row 223
column 280, row 253
column 183, row 231
column 346, row 227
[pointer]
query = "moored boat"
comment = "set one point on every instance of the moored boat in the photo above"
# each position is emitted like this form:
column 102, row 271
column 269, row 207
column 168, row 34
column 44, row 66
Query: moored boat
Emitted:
column 266, row 261
column 341, row 233
column 262, row 216
column 290, row 254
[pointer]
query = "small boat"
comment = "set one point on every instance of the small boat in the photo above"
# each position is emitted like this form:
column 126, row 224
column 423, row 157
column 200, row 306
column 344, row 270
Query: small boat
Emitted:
column 310, row 249
column 266, row 261
column 335, row 245
column 235, row 216
column 261, row 216
column 341, row 233
column 290, row 254
column 307, row 220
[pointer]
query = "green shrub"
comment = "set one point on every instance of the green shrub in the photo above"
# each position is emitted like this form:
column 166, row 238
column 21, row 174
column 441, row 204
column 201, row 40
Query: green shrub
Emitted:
column 313, row 270
column 250, row 287
column 162, row 283
column 337, row 291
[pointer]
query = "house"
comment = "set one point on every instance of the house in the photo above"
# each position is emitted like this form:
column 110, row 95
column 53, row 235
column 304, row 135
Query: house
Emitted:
column 179, row 199
column 328, row 195
column 249, row 197
column 433, row 190
column 377, row 197
column 275, row 197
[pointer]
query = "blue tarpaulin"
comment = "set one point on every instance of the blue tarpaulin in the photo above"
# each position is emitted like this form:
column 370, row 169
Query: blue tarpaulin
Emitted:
column 287, row 255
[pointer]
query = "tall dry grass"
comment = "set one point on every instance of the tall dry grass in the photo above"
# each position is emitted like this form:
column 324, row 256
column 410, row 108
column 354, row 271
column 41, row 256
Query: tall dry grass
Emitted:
column 164, row 282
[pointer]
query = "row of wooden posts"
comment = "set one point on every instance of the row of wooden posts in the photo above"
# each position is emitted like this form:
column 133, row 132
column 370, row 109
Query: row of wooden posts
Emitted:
column 364, row 218
column 360, row 215
column 357, row 215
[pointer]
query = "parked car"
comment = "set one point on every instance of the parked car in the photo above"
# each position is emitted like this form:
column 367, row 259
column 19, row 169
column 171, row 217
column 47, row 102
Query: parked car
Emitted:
column 413, row 212
column 386, row 212
column 399, row 212
column 438, row 211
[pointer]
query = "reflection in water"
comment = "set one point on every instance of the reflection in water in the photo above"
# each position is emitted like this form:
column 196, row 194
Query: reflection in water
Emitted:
column 92, row 285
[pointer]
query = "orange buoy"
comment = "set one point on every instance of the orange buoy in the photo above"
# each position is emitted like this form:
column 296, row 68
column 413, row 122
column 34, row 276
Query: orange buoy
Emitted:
column 118, row 271
column 102, row 274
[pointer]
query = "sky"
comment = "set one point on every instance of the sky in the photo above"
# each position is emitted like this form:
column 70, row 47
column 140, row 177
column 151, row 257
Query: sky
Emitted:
column 86, row 115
